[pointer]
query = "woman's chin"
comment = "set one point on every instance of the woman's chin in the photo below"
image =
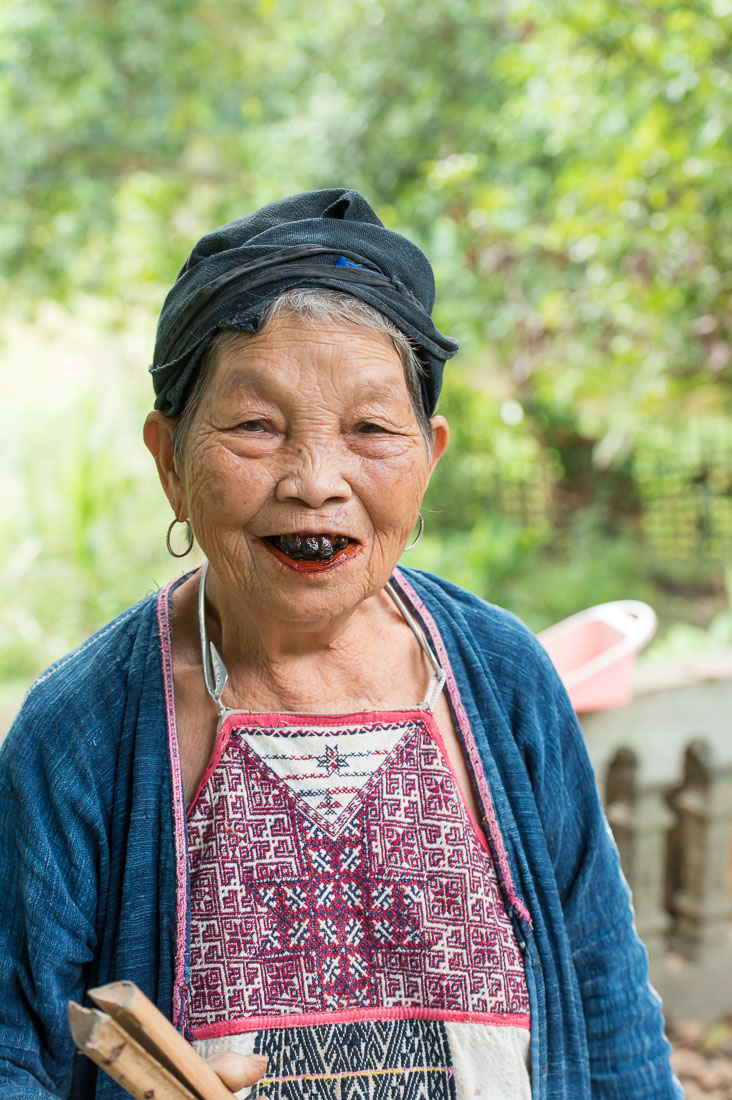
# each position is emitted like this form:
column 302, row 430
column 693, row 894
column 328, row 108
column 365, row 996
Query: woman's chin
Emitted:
column 270, row 587
column 305, row 593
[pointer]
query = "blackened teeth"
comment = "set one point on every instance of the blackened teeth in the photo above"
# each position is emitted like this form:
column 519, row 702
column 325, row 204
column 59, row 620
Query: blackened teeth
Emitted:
column 309, row 547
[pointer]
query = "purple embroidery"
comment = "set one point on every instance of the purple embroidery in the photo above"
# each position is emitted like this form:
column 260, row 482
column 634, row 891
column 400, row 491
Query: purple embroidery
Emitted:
column 393, row 907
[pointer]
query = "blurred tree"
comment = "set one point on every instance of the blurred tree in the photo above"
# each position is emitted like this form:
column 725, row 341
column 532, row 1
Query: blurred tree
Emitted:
column 566, row 166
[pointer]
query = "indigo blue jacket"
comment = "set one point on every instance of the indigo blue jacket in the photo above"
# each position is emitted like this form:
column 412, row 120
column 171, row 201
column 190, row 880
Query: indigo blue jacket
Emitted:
column 94, row 878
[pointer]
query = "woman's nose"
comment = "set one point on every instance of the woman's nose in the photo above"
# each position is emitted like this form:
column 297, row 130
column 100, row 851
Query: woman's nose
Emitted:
column 315, row 477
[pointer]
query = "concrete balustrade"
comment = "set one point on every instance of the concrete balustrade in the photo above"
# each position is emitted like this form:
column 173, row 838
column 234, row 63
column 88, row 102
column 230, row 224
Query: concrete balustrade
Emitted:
column 664, row 766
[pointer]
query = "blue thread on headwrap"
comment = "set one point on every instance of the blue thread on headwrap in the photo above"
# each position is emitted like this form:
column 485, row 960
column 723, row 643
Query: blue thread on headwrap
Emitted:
column 343, row 262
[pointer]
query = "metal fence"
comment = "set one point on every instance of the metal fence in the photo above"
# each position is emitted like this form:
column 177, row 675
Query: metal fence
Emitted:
column 686, row 503
column 678, row 503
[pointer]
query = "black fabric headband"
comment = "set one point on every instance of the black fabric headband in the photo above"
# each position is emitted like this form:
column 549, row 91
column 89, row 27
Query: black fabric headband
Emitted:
column 256, row 273
column 238, row 270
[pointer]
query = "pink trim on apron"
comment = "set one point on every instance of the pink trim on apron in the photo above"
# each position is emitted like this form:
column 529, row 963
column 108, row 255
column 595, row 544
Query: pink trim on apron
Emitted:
column 179, row 809
column 473, row 755
column 334, row 868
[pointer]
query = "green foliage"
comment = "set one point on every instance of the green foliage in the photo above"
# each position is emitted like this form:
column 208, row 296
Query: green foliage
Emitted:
column 82, row 535
column 564, row 165
column 507, row 565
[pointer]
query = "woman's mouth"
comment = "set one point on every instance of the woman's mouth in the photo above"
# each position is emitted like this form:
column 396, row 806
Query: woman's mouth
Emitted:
column 311, row 552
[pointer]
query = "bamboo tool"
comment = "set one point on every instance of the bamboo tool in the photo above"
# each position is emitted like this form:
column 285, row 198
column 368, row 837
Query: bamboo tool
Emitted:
column 131, row 1066
column 134, row 1043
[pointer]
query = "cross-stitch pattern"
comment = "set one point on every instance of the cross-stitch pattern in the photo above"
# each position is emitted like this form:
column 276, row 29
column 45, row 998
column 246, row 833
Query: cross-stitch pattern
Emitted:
column 326, row 768
column 390, row 903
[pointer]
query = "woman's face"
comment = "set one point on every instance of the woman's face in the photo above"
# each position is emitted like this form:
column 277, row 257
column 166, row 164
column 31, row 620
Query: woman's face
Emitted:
column 304, row 431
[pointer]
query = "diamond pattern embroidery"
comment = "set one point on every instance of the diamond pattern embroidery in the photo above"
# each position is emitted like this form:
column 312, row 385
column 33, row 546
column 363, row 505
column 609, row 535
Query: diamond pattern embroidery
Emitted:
column 393, row 904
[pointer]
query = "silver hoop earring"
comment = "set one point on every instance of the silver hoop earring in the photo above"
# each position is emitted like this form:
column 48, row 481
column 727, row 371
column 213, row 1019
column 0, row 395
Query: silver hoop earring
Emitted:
column 189, row 539
column 414, row 541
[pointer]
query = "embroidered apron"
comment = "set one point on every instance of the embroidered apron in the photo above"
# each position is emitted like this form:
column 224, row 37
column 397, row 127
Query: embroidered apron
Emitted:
column 346, row 918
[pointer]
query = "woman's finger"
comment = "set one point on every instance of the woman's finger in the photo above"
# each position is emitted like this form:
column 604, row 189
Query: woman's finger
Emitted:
column 238, row 1070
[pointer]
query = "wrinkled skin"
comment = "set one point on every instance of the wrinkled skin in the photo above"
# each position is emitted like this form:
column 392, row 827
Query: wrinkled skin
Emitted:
column 301, row 430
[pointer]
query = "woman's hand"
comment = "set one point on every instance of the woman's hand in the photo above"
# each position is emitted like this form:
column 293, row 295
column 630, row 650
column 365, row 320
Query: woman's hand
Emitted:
column 237, row 1071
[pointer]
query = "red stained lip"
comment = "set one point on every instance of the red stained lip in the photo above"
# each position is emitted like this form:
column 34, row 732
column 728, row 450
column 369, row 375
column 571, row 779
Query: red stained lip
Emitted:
column 308, row 567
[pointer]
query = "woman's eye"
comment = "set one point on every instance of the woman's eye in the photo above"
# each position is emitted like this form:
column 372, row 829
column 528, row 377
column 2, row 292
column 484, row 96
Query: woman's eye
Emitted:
column 368, row 428
column 252, row 426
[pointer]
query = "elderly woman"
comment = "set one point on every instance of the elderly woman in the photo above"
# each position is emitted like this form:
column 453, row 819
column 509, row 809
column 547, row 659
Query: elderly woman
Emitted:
column 323, row 810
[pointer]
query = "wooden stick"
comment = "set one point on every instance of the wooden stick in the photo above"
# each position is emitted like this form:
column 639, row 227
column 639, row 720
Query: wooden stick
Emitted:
column 139, row 1017
column 106, row 1043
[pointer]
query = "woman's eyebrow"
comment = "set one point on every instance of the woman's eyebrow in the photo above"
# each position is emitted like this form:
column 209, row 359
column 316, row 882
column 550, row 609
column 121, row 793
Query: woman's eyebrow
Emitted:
column 376, row 390
column 245, row 378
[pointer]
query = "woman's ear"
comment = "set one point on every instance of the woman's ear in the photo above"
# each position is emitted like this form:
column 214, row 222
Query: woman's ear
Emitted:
column 440, row 440
column 158, row 434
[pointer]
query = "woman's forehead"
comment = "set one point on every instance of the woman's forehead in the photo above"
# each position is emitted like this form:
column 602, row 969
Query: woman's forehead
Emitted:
column 290, row 355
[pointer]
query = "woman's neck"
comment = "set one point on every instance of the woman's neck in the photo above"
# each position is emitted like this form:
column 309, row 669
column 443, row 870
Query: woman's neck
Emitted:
column 357, row 660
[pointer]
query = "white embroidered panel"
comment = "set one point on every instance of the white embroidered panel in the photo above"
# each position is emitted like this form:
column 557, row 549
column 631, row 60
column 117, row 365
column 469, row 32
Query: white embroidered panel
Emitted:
column 326, row 767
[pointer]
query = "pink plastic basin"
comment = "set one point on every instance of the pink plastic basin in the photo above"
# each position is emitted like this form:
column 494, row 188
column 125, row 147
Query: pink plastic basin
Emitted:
column 594, row 652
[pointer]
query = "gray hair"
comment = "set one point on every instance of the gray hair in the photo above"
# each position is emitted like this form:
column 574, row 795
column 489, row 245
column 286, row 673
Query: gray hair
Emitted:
column 319, row 306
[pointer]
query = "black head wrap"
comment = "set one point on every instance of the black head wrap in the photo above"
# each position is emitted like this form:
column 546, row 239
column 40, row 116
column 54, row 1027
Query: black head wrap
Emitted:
column 320, row 238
